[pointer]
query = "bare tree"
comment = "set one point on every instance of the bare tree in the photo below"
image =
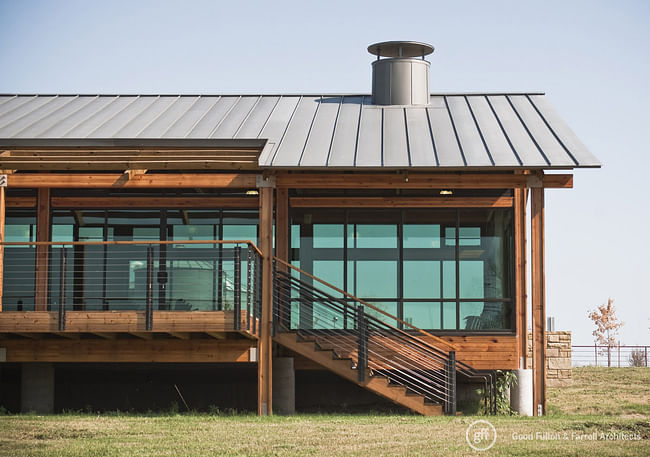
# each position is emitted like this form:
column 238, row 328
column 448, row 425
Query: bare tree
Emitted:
column 607, row 325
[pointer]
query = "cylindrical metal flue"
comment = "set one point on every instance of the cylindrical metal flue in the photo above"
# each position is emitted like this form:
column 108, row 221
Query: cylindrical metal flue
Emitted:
column 402, row 77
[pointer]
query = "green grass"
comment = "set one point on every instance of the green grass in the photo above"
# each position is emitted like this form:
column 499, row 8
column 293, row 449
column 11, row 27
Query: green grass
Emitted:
column 355, row 435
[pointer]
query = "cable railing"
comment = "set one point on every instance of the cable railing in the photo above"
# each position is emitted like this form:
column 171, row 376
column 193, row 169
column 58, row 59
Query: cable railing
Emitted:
column 616, row 355
column 188, row 275
column 335, row 320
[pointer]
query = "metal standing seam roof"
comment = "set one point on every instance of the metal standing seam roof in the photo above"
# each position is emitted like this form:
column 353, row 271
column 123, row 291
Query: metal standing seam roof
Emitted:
column 456, row 131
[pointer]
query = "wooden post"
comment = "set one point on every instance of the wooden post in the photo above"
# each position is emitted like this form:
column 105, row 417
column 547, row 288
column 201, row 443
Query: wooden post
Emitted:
column 282, row 225
column 520, row 275
column 42, row 252
column 538, row 300
column 264, row 344
column 2, row 239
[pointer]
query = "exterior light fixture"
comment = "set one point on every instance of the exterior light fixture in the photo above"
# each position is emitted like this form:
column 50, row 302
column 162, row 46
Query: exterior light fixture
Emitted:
column 446, row 192
column 252, row 192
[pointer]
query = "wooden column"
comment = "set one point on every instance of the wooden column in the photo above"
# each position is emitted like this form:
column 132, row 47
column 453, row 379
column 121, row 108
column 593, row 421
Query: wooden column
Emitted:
column 2, row 239
column 520, row 275
column 264, row 344
column 538, row 300
column 42, row 252
column 282, row 224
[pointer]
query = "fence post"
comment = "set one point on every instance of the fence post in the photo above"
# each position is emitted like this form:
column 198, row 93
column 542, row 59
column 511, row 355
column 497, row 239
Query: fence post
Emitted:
column 619, row 355
column 596, row 353
column 451, row 380
column 148, row 315
column 237, row 289
column 62, row 291
column 646, row 356
column 362, row 344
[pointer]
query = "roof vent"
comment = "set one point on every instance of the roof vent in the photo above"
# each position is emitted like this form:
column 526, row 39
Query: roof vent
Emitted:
column 402, row 78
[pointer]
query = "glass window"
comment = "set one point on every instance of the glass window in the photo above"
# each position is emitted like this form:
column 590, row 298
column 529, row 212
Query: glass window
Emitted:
column 425, row 236
column 423, row 314
column 411, row 258
column 422, row 279
column 375, row 279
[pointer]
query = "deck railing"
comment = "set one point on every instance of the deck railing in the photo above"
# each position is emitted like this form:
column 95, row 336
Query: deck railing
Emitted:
column 144, row 276
column 423, row 363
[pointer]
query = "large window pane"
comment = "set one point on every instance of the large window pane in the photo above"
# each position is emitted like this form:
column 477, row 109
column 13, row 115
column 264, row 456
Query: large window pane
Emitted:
column 375, row 279
column 422, row 279
column 425, row 236
column 485, row 315
column 328, row 235
column 423, row 314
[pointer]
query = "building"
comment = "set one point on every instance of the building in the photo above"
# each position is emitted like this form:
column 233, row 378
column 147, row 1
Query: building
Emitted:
column 379, row 237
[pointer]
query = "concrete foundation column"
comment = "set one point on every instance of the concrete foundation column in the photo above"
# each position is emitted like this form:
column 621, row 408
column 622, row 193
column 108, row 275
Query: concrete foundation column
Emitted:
column 37, row 388
column 521, row 394
column 284, row 386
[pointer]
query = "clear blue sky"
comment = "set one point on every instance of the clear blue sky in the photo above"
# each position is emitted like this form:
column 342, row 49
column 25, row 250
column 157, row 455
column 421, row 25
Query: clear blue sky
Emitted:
column 590, row 57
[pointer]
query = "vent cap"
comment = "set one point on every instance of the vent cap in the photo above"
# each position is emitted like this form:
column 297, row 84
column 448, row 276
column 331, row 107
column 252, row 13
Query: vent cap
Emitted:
column 402, row 77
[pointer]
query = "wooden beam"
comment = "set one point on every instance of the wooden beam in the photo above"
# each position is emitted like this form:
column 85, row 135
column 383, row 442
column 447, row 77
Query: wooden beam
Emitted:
column 264, row 348
column 180, row 335
column 216, row 335
column 154, row 202
column 20, row 202
column 124, row 350
column 69, row 336
column 418, row 181
column 142, row 335
column 2, row 240
column 149, row 180
column 538, row 301
column 42, row 252
column 106, row 336
column 401, row 202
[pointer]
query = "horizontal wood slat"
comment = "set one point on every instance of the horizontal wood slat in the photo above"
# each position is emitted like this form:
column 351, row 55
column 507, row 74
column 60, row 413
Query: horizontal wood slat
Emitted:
column 147, row 180
column 155, row 202
column 131, row 350
column 401, row 202
column 116, row 321
column 420, row 181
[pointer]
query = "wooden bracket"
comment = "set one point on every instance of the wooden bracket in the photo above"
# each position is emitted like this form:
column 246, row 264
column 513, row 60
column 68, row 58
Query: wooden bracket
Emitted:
column 265, row 181
column 135, row 172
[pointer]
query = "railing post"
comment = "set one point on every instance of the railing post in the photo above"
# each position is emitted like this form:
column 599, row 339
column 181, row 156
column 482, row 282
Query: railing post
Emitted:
column 276, row 300
column 596, row 354
column 257, row 291
column 451, row 382
column 646, row 356
column 149, row 296
column 237, row 289
column 62, row 291
column 362, row 344
column 249, row 258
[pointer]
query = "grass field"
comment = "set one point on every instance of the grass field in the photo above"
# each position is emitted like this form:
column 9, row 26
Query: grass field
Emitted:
column 590, row 418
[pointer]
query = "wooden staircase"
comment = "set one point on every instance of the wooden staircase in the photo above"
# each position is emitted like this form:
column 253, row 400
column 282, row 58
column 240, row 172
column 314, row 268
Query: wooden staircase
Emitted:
column 346, row 367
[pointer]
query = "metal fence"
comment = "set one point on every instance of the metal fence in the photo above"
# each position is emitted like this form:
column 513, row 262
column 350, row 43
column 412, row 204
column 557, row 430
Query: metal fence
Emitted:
column 610, row 356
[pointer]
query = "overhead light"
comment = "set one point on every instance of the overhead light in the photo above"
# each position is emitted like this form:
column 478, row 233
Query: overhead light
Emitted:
column 446, row 192
column 252, row 192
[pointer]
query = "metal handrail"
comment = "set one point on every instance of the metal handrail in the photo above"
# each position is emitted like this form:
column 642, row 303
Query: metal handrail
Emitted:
column 397, row 355
column 416, row 356
column 369, row 305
